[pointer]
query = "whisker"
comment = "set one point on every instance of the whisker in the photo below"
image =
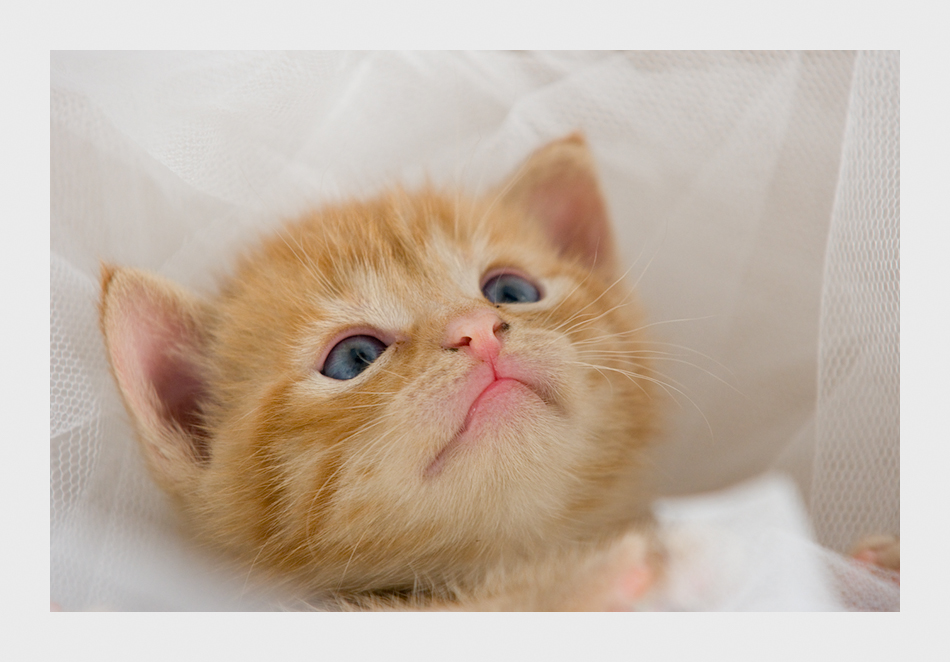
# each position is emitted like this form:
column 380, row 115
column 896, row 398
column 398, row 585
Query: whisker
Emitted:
column 666, row 226
column 364, row 406
column 349, row 560
column 594, row 319
column 597, row 298
column 626, row 357
column 590, row 341
column 632, row 376
column 630, row 332
column 250, row 569
column 550, row 313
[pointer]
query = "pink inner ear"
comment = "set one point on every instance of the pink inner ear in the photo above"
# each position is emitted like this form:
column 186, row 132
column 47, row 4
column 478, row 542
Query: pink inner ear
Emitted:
column 180, row 390
column 152, row 350
column 573, row 211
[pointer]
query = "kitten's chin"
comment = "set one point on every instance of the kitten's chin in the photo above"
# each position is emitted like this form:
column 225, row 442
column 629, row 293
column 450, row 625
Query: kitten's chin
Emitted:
column 503, row 403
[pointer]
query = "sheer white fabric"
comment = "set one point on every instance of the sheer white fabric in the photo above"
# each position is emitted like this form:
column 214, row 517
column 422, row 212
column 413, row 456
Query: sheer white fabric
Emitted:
column 755, row 194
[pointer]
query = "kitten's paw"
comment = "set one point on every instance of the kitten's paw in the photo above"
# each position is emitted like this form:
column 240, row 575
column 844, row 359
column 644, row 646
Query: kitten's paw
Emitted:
column 626, row 574
column 882, row 551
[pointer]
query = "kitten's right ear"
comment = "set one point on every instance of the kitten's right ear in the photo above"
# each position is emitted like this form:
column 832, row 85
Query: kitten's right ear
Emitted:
column 558, row 186
column 154, row 335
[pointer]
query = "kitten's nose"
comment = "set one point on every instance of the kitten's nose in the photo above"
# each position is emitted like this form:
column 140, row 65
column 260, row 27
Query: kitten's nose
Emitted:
column 479, row 330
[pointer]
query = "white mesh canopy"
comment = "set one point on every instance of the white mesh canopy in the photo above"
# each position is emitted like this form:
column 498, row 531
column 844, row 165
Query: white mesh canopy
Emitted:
column 757, row 196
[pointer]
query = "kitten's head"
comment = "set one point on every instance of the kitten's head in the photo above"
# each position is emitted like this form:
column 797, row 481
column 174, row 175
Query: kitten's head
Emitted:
column 401, row 390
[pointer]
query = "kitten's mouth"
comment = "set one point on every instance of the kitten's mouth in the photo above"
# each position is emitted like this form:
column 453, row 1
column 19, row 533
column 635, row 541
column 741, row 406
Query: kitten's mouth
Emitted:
column 496, row 396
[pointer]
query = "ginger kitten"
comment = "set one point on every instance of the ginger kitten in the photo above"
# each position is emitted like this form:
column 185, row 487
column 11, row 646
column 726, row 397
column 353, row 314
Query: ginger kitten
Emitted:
column 419, row 400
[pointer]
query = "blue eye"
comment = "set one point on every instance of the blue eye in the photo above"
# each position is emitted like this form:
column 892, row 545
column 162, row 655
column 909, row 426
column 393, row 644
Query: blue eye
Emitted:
column 351, row 356
column 509, row 288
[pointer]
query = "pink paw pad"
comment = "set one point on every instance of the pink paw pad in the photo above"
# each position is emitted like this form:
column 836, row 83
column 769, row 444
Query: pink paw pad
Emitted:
column 631, row 585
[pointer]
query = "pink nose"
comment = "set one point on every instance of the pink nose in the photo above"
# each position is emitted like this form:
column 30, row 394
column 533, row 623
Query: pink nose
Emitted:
column 479, row 330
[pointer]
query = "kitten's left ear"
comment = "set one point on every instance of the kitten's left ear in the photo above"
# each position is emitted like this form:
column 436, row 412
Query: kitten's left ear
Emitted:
column 153, row 333
column 558, row 185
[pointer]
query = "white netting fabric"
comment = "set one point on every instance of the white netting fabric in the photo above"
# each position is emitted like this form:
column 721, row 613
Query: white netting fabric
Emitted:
column 857, row 466
column 756, row 195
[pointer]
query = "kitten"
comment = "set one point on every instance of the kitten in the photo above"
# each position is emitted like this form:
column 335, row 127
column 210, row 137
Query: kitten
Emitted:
column 420, row 400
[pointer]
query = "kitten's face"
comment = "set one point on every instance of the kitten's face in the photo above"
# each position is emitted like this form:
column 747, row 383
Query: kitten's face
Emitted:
column 405, row 390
